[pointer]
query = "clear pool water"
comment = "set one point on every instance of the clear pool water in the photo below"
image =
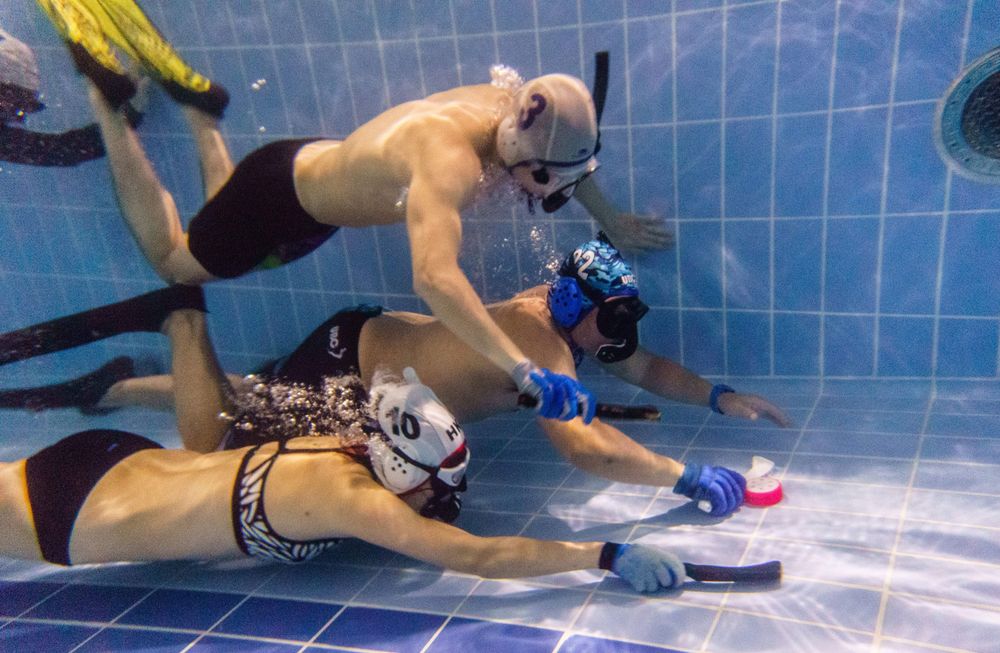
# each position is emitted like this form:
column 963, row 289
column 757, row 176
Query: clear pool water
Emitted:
column 826, row 258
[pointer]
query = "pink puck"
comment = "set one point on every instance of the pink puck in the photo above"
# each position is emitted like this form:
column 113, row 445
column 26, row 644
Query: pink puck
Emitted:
column 762, row 491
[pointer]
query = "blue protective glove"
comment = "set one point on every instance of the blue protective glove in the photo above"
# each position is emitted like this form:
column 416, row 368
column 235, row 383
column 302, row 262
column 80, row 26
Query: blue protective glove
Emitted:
column 646, row 569
column 559, row 396
column 721, row 487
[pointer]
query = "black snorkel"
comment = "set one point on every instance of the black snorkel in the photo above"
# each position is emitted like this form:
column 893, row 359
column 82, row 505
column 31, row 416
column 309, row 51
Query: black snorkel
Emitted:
column 556, row 199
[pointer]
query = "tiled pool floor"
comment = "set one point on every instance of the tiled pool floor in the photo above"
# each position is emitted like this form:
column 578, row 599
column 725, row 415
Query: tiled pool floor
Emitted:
column 887, row 533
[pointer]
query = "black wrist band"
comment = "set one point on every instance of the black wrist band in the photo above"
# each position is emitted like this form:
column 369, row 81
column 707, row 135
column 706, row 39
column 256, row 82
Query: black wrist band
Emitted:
column 608, row 553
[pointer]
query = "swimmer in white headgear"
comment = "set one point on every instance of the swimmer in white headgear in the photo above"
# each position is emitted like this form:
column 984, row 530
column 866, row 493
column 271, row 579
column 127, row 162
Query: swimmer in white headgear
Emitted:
column 284, row 501
column 550, row 139
column 421, row 441
column 423, row 163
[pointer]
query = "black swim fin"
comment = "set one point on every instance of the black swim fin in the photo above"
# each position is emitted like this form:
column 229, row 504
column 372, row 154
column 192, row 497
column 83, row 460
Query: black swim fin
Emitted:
column 117, row 88
column 83, row 392
column 142, row 313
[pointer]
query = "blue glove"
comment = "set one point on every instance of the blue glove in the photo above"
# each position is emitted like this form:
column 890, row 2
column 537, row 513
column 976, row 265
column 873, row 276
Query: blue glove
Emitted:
column 721, row 487
column 644, row 568
column 558, row 396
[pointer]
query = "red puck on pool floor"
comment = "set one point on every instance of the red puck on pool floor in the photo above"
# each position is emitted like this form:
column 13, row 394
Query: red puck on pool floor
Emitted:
column 762, row 491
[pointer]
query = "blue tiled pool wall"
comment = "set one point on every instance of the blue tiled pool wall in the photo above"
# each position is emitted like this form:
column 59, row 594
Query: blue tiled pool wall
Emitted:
column 789, row 144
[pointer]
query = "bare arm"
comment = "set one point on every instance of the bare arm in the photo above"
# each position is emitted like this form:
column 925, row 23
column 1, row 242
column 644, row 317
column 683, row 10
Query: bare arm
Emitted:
column 627, row 231
column 603, row 450
column 384, row 520
column 669, row 380
column 435, row 231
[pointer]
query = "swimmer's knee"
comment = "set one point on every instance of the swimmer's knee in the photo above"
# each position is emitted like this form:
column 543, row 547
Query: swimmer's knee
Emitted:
column 180, row 266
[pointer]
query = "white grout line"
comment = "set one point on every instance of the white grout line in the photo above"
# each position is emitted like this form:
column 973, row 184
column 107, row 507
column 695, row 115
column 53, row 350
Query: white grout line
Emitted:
column 773, row 195
column 723, row 209
column 827, row 150
column 884, row 191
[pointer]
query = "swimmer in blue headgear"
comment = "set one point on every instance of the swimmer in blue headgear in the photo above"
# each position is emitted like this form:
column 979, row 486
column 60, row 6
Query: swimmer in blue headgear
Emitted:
column 591, row 310
column 595, row 276
column 421, row 163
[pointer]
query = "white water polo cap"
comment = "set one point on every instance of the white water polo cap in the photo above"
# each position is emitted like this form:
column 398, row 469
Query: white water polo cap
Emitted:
column 424, row 439
column 549, row 140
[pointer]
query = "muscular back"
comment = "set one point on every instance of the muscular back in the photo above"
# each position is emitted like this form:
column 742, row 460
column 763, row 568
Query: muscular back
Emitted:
column 471, row 386
column 363, row 180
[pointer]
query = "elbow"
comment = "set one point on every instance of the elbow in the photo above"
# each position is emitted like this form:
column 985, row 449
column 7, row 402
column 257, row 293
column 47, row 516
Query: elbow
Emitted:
column 429, row 283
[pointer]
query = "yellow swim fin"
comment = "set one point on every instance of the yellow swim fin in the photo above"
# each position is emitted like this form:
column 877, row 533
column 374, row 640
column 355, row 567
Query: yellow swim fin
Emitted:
column 128, row 27
column 91, row 52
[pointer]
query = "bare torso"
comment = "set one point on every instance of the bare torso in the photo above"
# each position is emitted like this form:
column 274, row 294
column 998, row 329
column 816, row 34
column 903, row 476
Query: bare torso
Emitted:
column 363, row 180
column 164, row 504
column 463, row 379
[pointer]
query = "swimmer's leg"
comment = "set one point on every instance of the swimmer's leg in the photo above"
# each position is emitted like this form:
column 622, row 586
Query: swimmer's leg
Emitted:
column 155, row 392
column 202, row 392
column 149, row 209
column 216, row 163
column 143, row 313
column 84, row 392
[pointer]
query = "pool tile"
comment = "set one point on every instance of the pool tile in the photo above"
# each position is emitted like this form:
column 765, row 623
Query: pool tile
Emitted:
column 980, row 426
column 518, row 602
column 954, row 507
column 466, row 634
column 385, row 630
column 20, row 636
column 572, row 505
column 168, row 608
column 524, row 473
column 865, row 421
column 855, row 469
column 738, row 633
column 958, row 449
column 926, row 620
column 211, row 644
column 814, row 602
column 583, row 644
column 649, row 620
column 121, row 639
column 278, row 618
column 967, row 581
column 18, row 596
column 318, row 582
column 823, row 562
column 87, row 603
column 833, row 528
column 844, row 497
column 417, row 590
column 887, row 445
column 950, row 541
column 978, row 478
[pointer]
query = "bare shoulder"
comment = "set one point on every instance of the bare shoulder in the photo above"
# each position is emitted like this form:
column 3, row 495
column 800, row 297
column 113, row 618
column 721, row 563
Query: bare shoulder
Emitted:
column 526, row 319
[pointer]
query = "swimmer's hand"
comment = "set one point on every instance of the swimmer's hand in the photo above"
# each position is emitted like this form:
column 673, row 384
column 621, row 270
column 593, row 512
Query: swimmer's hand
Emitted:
column 721, row 487
column 558, row 396
column 638, row 233
column 644, row 568
column 751, row 407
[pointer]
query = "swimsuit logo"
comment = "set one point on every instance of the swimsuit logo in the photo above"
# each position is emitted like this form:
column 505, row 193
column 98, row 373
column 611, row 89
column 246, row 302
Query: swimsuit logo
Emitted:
column 334, row 343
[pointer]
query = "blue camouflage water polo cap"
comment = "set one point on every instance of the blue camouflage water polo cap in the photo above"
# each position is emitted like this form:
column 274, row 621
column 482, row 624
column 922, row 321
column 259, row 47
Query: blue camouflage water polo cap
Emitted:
column 592, row 273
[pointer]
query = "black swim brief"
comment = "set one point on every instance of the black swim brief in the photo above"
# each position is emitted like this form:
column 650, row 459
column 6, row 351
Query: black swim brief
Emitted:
column 331, row 350
column 256, row 220
column 60, row 478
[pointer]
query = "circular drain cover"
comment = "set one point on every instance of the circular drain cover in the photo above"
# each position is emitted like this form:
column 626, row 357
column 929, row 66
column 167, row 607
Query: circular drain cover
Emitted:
column 967, row 129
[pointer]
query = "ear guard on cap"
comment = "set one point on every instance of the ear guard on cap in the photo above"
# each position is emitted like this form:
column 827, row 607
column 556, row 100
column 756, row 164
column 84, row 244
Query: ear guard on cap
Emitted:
column 567, row 302
column 423, row 439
